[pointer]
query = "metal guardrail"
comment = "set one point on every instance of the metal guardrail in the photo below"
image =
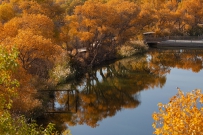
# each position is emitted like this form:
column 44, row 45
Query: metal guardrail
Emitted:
column 173, row 38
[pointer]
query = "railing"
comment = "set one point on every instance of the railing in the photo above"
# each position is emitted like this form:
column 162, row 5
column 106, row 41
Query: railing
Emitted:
column 185, row 37
column 158, row 39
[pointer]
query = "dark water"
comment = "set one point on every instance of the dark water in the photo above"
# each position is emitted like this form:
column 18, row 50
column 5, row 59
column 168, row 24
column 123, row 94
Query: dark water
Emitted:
column 119, row 98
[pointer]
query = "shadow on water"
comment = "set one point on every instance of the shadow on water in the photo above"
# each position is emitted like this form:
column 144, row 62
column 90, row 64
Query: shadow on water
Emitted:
column 110, row 88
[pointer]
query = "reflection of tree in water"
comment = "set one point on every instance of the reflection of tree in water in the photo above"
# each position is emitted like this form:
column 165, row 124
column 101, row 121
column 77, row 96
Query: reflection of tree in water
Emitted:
column 107, row 90
column 182, row 58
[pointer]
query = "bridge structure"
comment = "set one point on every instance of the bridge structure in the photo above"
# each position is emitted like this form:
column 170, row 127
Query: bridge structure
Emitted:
column 173, row 41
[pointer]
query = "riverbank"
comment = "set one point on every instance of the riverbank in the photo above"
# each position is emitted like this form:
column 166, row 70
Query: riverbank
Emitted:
column 81, row 63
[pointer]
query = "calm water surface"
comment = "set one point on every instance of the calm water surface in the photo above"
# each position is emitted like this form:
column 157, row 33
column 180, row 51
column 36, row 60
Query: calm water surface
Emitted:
column 119, row 99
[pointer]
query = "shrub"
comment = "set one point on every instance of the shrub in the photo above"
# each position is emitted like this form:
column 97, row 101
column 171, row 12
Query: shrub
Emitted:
column 183, row 115
column 130, row 48
column 11, row 124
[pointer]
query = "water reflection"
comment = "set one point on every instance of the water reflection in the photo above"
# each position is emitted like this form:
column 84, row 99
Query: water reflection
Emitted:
column 189, row 59
column 104, row 91
column 109, row 89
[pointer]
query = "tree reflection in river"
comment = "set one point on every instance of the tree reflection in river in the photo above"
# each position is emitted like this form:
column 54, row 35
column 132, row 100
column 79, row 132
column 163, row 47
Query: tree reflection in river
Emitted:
column 106, row 90
column 182, row 58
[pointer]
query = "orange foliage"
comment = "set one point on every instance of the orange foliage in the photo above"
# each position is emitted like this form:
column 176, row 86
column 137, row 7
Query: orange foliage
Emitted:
column 99, row 26
column 39, row 24
column 33, row 36
column 26, row 100
column 33, row 47
column 6, row 12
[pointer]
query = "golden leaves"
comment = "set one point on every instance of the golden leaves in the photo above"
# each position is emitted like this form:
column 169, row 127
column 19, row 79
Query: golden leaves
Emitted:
column 182, row 115
column 86, row 36
column 32, row 34
column 33, row 46
column 39, row 24
column 6, row 12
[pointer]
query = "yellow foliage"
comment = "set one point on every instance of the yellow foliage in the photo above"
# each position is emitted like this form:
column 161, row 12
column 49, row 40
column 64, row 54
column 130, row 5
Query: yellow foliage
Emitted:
column 183, row 115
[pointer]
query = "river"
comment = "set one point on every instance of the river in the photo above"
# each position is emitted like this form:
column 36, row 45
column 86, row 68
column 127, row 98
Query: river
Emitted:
column 119, row 98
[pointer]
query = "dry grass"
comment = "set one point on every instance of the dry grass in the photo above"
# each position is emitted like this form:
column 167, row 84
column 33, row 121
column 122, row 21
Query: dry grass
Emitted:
column 130, row 48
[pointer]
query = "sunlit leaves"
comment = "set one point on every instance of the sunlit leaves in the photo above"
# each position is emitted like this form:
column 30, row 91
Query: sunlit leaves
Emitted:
column 39, row 24
column 8, row 64
column 193, row 15
column 33, row 36
column 32, row 46
column 179, row 18
column 9, row 84
column 11, row 76
column 100, row 27
column 182, row 115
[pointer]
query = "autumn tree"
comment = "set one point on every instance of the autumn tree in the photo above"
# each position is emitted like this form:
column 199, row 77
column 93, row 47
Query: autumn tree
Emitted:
column 182, row 115
column 33, row 33
column 44, row 7
column 178, row 17
column 39, row 24
column 193, row 13
column 15, row 89
column 148, row 18
column 33, row 36
column 35, row 49
column 8, row 85
column 99, row 27
column 169, row 19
